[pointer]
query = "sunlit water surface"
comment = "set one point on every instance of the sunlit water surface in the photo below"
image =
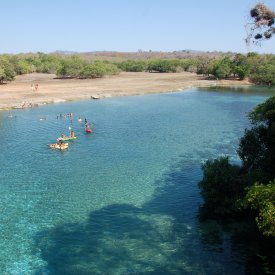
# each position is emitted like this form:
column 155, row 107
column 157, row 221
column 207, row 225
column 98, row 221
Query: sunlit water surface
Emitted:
column 123, row 200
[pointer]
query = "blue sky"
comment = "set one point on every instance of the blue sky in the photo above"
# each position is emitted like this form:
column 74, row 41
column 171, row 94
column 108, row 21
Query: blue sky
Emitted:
column 126, row 25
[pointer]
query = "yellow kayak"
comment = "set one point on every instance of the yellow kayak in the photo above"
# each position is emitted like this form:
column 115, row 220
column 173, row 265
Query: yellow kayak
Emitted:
column 58, row 146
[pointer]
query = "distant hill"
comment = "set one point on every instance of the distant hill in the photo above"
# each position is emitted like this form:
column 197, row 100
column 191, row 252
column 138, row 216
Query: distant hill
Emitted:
column 113, row 55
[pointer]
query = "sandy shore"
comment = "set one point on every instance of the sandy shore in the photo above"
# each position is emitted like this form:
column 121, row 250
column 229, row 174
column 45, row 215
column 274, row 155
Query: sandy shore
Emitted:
column 52, row 90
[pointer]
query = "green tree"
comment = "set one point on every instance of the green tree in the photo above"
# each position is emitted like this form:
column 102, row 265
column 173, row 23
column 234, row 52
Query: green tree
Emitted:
column 221, row 186
column 222, row 68
column 257, row 146
column 8, row 69
column 189, row 65
column 261, row 198
column 23, row 67
column 98, row 69
column 264, row 113
column 132, row 65
column 2, row 75
column 240, row 66
column 264, row 74
column 92, row 71
column 204, row 65
column 162, row 66
column 70, row 67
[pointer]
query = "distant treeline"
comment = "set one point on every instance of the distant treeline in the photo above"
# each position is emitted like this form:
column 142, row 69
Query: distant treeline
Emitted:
column 259, row 69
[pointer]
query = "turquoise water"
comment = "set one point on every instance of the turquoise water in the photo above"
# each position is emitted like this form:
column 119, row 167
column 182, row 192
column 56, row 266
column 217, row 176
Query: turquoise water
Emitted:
column 123, row 200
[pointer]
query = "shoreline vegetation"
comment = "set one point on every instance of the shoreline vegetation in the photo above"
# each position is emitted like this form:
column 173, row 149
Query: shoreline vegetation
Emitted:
column 247, row 189
column 32, row 79
column 51, row 89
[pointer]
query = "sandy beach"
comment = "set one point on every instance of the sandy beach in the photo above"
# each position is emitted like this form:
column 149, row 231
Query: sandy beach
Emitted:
column 53, row 90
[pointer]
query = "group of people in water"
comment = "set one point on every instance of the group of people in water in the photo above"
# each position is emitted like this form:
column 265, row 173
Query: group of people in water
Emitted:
column 60, row 144
column 61, row 140
column 69, row 115
column 71, row 135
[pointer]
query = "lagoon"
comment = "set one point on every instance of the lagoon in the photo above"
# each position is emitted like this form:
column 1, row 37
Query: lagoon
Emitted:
column 123, row 200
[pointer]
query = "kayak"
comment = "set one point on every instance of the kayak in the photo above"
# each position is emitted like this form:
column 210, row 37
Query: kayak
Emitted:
column 66, row 138
column 59, row 147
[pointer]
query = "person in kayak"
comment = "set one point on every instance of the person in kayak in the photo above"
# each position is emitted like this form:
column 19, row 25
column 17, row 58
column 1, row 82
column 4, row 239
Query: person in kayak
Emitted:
column 87, row 128
column 71, row 134
column 60, row 143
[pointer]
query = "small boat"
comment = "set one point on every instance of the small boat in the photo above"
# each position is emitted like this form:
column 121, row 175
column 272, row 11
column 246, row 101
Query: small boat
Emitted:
column 95, row 97
column 59, row 146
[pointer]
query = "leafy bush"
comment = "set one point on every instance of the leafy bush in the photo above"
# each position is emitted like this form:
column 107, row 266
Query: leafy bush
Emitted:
column 257, row 146
column 132, row 66
column 264, row 74
column 163, row 66
column 7, row 72
column 98, row 69
column 221, row 186
column 222, row 68
column 261, row 198
column 70, row 67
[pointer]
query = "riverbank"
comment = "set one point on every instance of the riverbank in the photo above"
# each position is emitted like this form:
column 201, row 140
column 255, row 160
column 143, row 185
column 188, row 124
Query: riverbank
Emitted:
column 20, row 93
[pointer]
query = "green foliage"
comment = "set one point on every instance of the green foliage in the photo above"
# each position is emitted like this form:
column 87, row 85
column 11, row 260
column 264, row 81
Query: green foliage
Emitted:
column 132, row 65
column 163, row 66
column 261, row 198
column 222, row 68
column 264, row 113
column 225, row 187
column 240, row 71
column 8, row 73
column 257, row 146
column 252, row 149
column 187, row 65
column 203, row 65
column 252, row 54
column 98, row 69
column 260, row 69
column 240, row 66
column 23, row 67
column 70, row 67
column 47, row 63
column 2, row 75
column 109, row 68
column 264, row 74
column 221, row 186
column 92, row 71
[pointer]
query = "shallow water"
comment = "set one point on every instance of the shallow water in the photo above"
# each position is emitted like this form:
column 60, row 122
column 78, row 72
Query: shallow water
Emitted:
column 124, row 199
